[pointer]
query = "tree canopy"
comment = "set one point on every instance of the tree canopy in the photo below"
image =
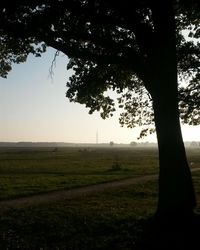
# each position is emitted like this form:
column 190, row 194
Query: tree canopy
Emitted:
column 111, row 45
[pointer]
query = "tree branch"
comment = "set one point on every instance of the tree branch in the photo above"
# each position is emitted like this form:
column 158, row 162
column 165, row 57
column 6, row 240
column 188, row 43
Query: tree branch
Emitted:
column 135, row 64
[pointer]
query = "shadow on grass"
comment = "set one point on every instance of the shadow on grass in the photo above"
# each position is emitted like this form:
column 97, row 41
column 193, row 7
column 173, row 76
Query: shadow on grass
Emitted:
column 100, row 233
column 176, row 232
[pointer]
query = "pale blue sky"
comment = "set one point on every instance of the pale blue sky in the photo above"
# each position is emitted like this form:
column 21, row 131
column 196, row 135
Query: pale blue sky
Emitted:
column 33, row 107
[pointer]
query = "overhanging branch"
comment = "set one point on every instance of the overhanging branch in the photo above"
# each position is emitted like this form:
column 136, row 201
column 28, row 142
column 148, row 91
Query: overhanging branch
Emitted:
column 134, row 62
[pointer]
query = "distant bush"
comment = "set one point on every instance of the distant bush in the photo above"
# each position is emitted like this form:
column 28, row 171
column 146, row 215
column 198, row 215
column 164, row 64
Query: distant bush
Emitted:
column 194, row 144
column 133, row 144
column 116, row 166
column 55, row 150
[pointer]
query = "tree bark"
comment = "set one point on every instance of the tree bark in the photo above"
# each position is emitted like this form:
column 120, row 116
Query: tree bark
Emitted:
column 176, row 192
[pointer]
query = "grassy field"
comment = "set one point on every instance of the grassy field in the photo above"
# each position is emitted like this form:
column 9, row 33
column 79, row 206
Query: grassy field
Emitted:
column 28, row 171
column 110, row 220
column 25, row 171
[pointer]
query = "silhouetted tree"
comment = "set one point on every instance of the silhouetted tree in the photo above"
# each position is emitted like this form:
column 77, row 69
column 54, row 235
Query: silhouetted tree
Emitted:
column 136, row 48
column 133, row 144
column 112, row 143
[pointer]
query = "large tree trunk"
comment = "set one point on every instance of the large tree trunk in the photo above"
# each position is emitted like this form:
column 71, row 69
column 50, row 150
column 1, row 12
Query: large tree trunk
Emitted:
column 176, row 200
column 176, row 193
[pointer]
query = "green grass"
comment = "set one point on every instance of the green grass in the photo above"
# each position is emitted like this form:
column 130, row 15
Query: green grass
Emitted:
column 73, row 160
column 26, row 171
column 101, row 221
column 30, row 171
column 110, row 220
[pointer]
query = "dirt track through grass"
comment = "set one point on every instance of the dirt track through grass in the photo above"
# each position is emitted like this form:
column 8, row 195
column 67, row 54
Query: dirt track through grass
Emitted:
column 75, row 193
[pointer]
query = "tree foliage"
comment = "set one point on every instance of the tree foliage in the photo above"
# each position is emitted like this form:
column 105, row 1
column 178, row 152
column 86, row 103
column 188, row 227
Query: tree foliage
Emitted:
column 111, row 45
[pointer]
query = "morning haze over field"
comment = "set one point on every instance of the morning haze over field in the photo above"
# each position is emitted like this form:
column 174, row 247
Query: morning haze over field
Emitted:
column 34, row 108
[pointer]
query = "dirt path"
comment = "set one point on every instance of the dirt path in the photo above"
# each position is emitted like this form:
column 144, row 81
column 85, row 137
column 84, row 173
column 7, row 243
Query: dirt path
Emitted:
column 75, row 193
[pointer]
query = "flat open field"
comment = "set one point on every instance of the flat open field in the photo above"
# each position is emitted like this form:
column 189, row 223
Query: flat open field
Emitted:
column 25, row 171
column 114, row 219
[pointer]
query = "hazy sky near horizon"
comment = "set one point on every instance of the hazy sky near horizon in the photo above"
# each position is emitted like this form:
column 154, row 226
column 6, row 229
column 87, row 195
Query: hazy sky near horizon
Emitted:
column 33, row 107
